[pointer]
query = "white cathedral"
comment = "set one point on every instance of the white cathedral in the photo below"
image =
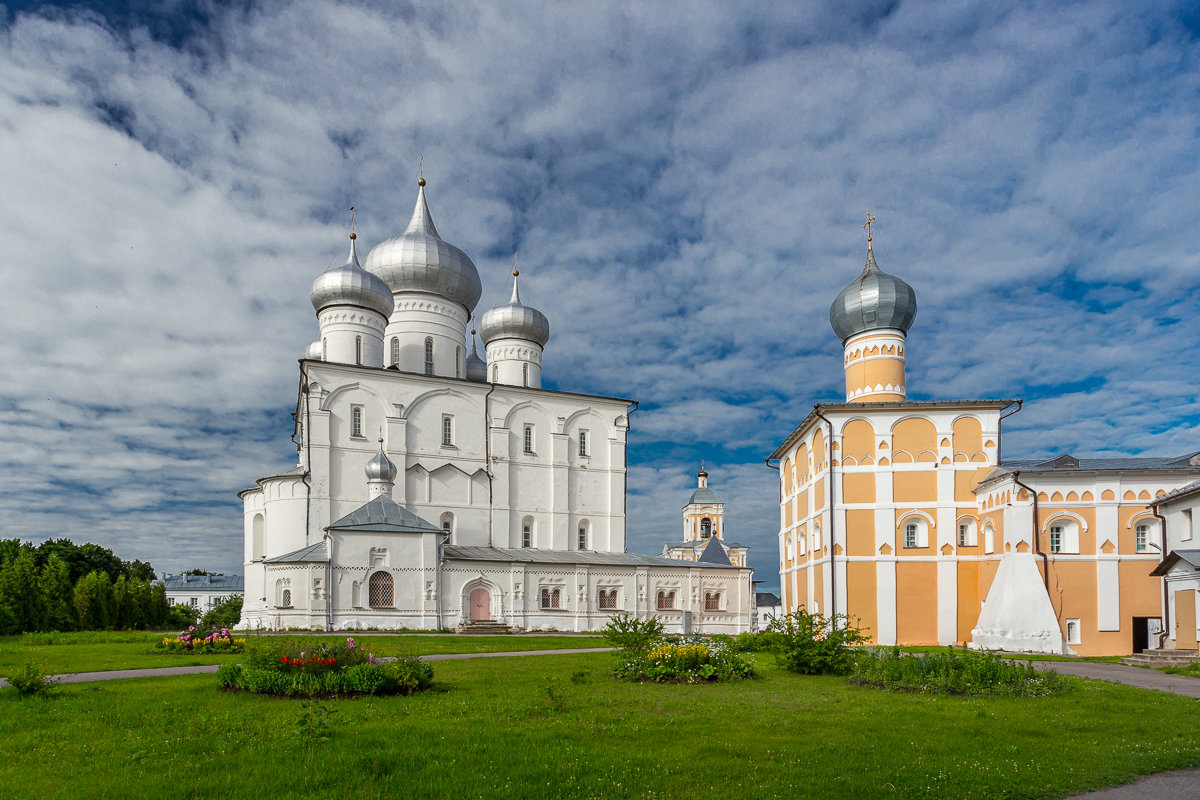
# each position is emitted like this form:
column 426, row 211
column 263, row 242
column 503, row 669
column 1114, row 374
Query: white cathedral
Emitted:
column 438, row 490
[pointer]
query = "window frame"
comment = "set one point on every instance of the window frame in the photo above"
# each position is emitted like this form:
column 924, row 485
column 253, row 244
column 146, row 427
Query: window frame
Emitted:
column 358, row 351
column 428, row 355
column 527, row 440
column 447, row 430
column 664, row 600
column 525, row 374
column 583, row 536
column 527, row 533
column 583, row 443
column 606, row 600
column 395, row 352
column 383, row 576
column 357, row 422
column 712, row 601
column 550, row 598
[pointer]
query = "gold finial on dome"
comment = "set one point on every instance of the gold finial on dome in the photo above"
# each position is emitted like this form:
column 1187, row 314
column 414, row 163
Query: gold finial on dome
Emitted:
column 867, row 225
column 353, row 236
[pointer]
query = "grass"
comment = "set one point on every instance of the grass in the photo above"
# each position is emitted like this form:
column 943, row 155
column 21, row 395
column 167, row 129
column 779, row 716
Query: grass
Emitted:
column 934, row 648
column 560, row 726
column 96, row 651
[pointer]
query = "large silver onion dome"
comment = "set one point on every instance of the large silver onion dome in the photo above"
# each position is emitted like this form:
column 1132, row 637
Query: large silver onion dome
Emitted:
column 515, row 321
column 418, row 260
column 476, row 366
column 351, row 285
column 872, row 301
column 380, row 467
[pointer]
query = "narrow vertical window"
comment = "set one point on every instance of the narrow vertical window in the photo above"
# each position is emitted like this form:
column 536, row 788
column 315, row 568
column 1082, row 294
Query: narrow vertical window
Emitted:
column 1185, row 534
column 428, row 355
column 525, row 374
column 285, row 601
column 458, row 362
column 528, row 439
column 1056, row 538
column 447, row 430
column 583, row 542
column 358, row 350
column 395, row 351
column 495, row 373
column 356, row 421
column 910, row 535
column 324, row 349
column 527, row 535
column 448, row 524
column 583, row 443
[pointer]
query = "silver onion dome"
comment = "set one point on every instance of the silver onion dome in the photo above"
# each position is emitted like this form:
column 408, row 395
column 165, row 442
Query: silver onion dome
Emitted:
column 514, row 321
column 313, row 352
column 476, row 366
column 351, row 285
column 872, row 301
column 418, row 260
column 380, row 467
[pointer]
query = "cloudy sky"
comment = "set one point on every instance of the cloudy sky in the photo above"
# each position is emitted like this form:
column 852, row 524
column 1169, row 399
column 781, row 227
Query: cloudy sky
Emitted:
column 685, row 183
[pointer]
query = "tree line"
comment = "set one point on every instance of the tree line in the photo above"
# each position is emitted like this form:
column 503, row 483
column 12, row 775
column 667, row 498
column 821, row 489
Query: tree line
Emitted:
column 61, row 586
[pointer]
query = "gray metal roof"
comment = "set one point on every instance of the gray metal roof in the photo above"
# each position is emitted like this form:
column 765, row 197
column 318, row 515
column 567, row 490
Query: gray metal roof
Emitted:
column 419, row 260
column 314, row 553
column 1182, row 491
column 694, row 542
column 514, row 321
column 587, row 557
column 874, row 300
column 714, row 554
column 1067, row 463
column 385, row 515
column 1189, row 557
column 703, row 496
column 203, row 583
column 767, row 599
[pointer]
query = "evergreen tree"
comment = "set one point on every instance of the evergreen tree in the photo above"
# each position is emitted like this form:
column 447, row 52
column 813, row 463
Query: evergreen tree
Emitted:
column 158, row 611
column 94, row 601
column 20, row 594
column 122, row 604
column 141, row 570
column 59, row 594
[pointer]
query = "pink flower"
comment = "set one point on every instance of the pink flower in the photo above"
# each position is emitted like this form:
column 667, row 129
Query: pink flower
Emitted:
column 191, row 627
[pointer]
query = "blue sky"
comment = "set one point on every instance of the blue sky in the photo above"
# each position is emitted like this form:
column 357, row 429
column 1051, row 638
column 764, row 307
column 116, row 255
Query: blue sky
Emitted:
column 685, row 183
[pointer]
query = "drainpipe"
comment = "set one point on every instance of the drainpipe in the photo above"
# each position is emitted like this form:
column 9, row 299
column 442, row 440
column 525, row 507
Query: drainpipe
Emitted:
column 999, row 438
column 1166, row 631
column 487, row 454
column 1037, row 531
column 625, row 494
column 832, row 518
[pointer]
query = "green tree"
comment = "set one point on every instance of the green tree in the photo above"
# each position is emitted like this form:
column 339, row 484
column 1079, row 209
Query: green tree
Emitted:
column 181, row 615
column 81, row 559
column 141, row 570
column 20, row 595
column 122, row 604
column 158, row 608
column 224, row 614
column 93, row 601
column 59, row 594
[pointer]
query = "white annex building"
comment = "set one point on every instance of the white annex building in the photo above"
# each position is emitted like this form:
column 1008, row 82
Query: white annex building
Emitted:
column 437, row 489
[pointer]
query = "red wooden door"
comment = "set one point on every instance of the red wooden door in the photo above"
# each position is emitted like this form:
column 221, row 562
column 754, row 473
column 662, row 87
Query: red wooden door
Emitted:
column 481, row 605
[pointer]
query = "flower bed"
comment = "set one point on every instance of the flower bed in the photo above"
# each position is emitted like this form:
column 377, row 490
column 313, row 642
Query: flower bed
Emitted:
column 961, row 672
column 646, row 655
column 297, row 668
column 215, row 640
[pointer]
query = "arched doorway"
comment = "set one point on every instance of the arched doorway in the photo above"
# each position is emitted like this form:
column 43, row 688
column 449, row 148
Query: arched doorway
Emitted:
column 481, row 605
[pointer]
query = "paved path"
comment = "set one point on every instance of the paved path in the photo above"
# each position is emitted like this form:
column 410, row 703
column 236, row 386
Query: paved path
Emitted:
column 1130, row 676
column 1182, row 784
column 161, row 672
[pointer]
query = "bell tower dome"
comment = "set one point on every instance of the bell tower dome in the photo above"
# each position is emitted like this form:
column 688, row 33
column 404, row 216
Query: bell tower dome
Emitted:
column 872, row 317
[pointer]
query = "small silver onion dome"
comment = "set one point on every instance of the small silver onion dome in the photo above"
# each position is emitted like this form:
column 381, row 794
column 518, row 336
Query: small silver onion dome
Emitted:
column 314, row 351
column 476, row 366
column 380, row 467
column 515, row 321
column 418, row 260
column 872, row 301
column 351, row 285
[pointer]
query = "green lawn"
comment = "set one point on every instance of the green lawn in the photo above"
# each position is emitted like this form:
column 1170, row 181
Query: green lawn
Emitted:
column 560, row 727
column 102, row 650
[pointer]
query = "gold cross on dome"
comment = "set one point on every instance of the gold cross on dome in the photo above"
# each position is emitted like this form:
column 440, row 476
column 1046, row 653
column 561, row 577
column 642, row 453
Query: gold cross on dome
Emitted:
column 867, row 225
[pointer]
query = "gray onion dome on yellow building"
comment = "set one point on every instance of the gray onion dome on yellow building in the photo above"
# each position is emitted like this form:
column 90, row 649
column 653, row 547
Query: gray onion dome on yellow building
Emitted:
column 476, row 366
column 702, row 495
column 419, row 260
column 351, row 285
column 515, row 321
column 874, row 300
column 381, row 468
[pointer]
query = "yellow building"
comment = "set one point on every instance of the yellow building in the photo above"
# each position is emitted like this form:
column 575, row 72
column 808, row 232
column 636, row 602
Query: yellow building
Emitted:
column 902, row 516
column 704, row 529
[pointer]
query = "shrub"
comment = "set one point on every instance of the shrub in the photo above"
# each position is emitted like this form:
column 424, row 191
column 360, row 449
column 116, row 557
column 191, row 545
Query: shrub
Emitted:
column 695, row 661
column 224, row 614
column 228, row 675
column 630, row 633
column 812, row 644
column 182, row 616
column 747, row 642
column 962, row 672
column 300, row 668
column 192, row 640
column 32, row 680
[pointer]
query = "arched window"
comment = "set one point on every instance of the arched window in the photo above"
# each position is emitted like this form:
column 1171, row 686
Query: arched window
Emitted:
column 448, row 524
column 381, row 592
column 816, row 534
column 285, row 600
column 447, row 430
column 583, row 443
column 989, row 538
column 358, row 350
column 356, row 421
column 395, row 351
column 324, row 349
column 525, row 374
column 495, row 373
column 428, row 355
column 551, row 598
column 608, row 600
column 1063, row 535
column 528, row 441
column 1073, row 634
column 967, row 532
column 705, row 528
column 256, row 540
column 916, row 532
column 458, row 362
column 283, row 593
column 712, row 601
column 527, row 533
column 665, row 601
column 583, row 536
column 802, row 543
column 1145, row 537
